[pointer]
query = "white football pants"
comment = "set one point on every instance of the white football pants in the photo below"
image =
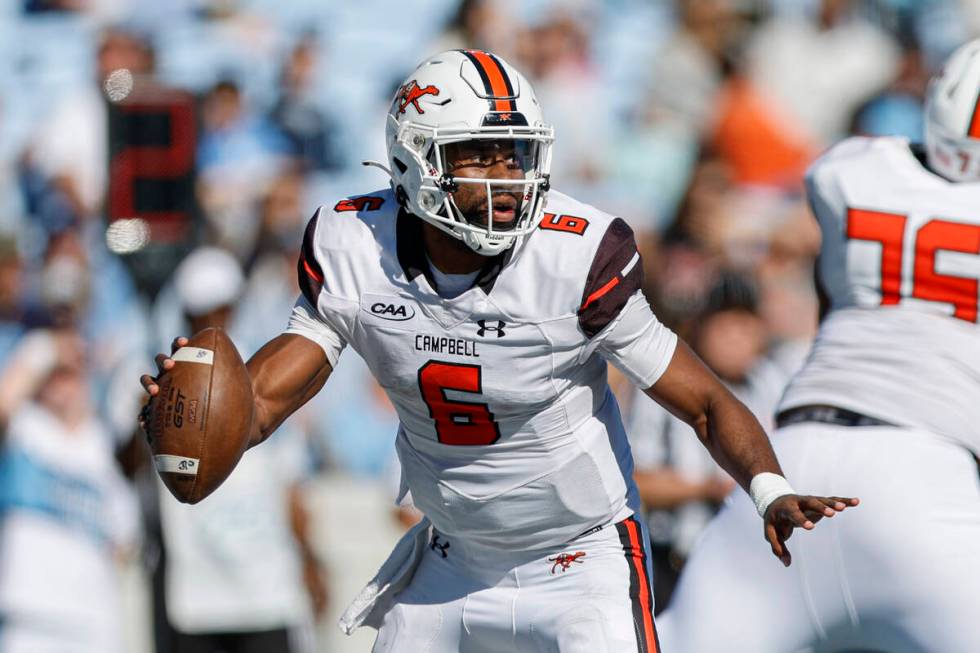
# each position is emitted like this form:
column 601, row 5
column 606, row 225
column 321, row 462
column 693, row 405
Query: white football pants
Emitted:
column 899, row 573
column 592, row 596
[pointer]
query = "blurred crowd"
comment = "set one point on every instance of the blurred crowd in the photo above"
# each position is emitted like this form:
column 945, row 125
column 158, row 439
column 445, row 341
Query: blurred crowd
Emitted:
column 693, row 119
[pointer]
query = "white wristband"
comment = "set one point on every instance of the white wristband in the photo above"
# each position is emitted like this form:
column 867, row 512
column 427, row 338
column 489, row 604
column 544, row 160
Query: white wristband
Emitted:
column 766, row 488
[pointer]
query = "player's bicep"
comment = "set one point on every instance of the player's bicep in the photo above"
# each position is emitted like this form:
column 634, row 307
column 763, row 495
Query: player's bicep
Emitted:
column 286, row 373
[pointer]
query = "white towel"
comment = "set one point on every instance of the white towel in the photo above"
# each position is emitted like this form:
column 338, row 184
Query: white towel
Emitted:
column 377, row 597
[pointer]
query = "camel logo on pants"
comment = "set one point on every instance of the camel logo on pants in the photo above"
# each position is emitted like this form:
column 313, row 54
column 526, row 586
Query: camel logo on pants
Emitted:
column 565, row 560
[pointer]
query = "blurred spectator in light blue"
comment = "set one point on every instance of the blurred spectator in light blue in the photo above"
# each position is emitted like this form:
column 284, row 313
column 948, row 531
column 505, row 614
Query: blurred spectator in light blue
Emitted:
column 480, row 24
column 657, row 148
column 81, row 285
column 67, row 517
column 814, row 72
column 11, row 203
column 271, row 288
column 555, row 53
column 898, row 110
column 312, row 134
column 238, row 154
column 891, row 114
column 355, row 421
column 687, row 72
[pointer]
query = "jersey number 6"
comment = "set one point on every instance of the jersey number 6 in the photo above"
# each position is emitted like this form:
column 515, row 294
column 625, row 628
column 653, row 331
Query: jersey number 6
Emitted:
column 932, row 237
column 466, row 423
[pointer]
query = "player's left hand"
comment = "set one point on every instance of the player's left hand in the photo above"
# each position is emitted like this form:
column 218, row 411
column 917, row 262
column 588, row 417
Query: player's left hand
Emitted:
column 798, row 511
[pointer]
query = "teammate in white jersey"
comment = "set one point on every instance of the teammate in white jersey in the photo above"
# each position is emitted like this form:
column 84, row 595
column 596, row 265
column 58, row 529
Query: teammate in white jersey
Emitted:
column 487, row 306
column 885, row 405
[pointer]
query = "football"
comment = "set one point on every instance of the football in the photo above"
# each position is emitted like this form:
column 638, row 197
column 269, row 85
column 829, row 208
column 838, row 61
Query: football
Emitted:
column 199, row 423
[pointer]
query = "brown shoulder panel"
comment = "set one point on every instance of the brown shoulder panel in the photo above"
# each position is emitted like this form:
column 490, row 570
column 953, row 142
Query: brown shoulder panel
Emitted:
column 308, row 268
column 615, row 275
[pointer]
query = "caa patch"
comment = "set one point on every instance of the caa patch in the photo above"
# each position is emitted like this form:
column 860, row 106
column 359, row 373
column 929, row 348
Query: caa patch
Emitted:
column 386, row 308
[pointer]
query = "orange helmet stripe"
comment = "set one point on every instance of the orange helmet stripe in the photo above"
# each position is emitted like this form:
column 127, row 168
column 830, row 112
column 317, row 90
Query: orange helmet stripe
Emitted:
column 495, row 80
column 974, row 131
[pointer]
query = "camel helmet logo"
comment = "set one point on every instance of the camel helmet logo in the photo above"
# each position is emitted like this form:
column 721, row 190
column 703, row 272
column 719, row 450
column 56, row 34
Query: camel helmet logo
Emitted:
column 411, row 92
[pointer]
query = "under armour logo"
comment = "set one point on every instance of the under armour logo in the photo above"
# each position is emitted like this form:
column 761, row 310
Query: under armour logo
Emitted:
column 435, row 545
column 499, row 329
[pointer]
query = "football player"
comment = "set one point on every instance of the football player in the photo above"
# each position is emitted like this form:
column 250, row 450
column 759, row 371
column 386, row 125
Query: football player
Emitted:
column 886, row 404
column 487, row 305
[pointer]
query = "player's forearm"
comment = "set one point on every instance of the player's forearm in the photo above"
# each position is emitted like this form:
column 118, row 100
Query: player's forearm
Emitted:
column 286, row 373
column 733, row 436
column 735, row 439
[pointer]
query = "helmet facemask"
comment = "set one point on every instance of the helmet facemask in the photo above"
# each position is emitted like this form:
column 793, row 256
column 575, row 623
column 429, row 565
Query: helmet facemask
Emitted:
column 434, row 200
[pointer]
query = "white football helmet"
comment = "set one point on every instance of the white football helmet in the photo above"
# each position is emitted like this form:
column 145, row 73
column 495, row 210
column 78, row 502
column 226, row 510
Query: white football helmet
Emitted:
column 463, row 95
column 953, row 116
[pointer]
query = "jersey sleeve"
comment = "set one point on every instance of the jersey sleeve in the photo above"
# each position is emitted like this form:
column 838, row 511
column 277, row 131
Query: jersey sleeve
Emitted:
column 308, row 268
column 616, row 316
column 637, row 343
column 323, row 316
column 305, row 321
column 615, row 275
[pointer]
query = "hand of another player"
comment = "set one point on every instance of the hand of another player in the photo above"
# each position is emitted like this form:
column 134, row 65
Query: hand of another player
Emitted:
column 149, row 383
column 797, row 511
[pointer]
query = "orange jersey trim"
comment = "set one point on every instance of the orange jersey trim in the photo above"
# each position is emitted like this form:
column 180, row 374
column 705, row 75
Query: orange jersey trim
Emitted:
column 310, row 271
column 612, row 283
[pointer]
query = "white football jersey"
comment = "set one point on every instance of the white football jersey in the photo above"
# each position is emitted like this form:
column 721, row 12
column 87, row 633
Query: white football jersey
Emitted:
column 509, row 434
column 900, row 265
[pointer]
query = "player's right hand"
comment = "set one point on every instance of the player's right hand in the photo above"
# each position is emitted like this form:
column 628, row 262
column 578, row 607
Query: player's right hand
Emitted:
column 149, row 383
